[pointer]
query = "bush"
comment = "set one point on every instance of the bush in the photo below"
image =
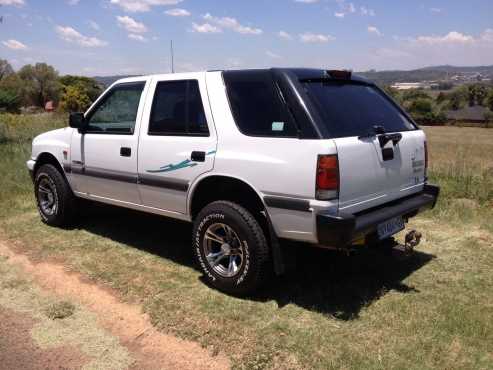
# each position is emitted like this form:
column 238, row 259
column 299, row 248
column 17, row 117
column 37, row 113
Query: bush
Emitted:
column 9, row 101
column 75, row 99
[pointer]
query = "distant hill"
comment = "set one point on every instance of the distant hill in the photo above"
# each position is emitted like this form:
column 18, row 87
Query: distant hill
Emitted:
column 387, row 77
column 424, row 74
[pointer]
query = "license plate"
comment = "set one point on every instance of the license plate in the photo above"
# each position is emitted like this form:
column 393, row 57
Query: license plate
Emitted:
column 390, row 227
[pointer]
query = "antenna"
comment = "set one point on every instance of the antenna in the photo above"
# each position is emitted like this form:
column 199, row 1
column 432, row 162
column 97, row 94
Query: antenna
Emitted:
column 172, row 59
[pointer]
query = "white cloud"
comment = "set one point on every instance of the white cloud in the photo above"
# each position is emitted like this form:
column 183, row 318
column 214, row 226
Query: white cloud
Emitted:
column 454, row 48
column 131, row 25
column 14, row 45
column 435, row 10
column 205, row 28
column 367, row 11
column 284, row 35
column 487, row 35
column 12, row 2
column 272, row 55
column 306, row 1
column 232, row 24
column 93, row 25
column 453, row 37
column 72, row 2
column 71, row 35
column 135, row 6
column 344, row 8
column 177, row 12
column 135, row 37
column 309, row 37
column 374, row 30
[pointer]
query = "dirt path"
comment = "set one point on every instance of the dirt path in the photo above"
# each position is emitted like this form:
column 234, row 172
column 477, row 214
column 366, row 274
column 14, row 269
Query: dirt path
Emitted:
column 147, row 348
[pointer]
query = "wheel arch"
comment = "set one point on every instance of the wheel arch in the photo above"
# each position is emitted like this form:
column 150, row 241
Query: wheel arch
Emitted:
column 48, row 158
column 223, row 187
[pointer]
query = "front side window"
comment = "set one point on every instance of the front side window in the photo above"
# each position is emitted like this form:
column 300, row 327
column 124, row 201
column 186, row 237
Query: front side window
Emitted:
column 257, row 106
column 177, row 109
column 117, row 112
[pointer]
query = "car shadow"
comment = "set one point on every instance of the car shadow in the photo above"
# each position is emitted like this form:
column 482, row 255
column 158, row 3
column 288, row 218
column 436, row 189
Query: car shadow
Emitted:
column 325, row 281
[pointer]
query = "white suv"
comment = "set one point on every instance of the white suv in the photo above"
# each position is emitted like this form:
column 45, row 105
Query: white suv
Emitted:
column 250, row 157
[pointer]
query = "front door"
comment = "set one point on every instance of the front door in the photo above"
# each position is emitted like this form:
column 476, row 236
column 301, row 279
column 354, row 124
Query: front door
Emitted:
column 105, row 161
column 177, row 141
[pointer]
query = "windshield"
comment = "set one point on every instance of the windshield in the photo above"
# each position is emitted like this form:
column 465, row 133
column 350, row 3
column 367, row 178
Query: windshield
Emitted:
column 352, row 109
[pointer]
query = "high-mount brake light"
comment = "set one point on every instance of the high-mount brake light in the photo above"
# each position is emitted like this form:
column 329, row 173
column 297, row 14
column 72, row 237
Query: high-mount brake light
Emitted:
column 327, row 181
column 340, row 74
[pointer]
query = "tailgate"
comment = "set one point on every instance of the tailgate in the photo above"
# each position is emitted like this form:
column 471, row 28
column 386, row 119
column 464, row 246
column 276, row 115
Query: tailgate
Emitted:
column 368, row 178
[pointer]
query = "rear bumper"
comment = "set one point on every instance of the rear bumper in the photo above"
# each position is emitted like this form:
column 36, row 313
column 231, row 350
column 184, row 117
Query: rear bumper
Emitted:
column 340, row 230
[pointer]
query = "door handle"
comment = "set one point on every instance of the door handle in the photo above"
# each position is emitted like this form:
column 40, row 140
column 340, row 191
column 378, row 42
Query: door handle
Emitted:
column 198, row 156
column 125, row 152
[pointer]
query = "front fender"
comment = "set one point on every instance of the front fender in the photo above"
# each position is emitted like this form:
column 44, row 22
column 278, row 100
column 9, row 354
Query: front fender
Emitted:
column 56, row 143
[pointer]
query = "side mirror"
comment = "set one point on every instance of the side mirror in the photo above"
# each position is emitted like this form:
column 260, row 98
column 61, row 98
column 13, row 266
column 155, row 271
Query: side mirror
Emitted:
column 77, row 120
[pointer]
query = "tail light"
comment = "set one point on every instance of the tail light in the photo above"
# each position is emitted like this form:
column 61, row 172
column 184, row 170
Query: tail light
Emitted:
column 327, row 183
column 426, row 159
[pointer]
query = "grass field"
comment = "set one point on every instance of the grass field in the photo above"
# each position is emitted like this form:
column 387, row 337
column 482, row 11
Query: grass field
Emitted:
column 367, row 310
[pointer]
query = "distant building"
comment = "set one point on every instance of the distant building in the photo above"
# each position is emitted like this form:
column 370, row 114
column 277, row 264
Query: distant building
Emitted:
column 413, row 85
column 49, row 106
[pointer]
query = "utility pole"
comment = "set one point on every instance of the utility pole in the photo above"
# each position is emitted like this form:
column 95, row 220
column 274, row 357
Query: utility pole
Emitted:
column 172, row 58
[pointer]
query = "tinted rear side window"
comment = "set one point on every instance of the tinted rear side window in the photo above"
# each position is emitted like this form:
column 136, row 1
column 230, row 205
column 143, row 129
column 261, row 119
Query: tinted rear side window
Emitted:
column 257, row 106
column 351, row 109
column 177, row 109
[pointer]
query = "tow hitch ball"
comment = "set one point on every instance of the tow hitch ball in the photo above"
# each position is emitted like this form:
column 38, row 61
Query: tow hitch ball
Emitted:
column 411, row 240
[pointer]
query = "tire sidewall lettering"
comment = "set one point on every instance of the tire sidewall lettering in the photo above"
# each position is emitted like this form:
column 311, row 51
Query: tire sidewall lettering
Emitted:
column 198, row 238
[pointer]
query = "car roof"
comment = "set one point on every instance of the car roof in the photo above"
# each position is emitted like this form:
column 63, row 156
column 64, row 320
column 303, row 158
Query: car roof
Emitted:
column 300, row 73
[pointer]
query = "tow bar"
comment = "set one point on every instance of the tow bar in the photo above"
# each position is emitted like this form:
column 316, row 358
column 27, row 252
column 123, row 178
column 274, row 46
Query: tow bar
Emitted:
column 411, row 240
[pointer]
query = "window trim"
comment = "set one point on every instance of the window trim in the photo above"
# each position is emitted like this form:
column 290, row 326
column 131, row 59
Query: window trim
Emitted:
column 103, row 100
column 187, row 123
column 282, row 102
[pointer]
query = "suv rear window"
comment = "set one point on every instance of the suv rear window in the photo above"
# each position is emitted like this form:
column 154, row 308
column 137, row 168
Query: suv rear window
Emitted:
column 352, row 109
column 257, row 106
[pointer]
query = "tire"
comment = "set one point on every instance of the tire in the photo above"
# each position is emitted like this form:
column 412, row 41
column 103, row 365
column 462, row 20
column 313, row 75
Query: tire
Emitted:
column 54, row 198
column 245, row 262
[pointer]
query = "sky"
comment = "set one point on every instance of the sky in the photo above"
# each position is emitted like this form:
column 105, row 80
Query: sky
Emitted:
column 113, row 37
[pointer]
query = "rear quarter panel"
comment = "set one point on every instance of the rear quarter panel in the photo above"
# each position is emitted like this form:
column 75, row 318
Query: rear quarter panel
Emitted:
column 278, row 167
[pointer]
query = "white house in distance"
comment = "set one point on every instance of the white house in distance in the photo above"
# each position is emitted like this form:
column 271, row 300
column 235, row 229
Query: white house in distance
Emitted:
column 413, row 85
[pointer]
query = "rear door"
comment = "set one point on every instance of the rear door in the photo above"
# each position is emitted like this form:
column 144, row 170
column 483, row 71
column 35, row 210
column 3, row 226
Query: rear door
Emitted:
column 177, row 141
column 380, row 152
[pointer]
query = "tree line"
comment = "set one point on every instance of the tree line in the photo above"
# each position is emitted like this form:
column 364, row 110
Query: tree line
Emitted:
column 35, row 85
column 431, row 109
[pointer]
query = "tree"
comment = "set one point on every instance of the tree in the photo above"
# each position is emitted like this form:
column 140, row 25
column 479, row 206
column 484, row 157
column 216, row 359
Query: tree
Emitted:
column 11, row 88
column 41, row 83
column 5, row 69
column 441, row 97
column 89, row 85
column 421, row 106
column 414, row 94
column 75, row 99
column 9, row 101
column 392, row 92
column 489, row 100
column 481, row 93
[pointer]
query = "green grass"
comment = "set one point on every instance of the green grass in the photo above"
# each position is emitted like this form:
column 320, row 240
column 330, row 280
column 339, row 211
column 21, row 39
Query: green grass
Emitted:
column 368, row 310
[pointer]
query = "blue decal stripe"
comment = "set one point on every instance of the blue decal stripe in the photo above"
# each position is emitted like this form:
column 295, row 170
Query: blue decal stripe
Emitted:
column 183, row 164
